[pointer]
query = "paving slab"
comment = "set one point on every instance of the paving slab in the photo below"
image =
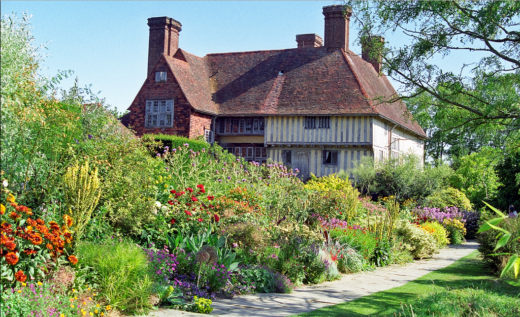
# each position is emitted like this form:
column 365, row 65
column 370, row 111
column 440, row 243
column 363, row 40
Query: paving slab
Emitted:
column 349, row 287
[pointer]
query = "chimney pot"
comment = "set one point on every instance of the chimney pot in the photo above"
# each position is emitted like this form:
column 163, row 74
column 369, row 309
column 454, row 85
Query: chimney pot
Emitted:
column 164, row 38
column 309, row 40
column 371, row 51
column 337, row 19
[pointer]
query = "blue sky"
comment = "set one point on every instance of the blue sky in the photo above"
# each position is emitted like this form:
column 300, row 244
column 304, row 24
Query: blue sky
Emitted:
column 105, row 43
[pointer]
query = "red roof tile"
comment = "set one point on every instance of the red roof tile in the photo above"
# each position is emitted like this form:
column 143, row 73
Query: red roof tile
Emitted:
column 315, row 81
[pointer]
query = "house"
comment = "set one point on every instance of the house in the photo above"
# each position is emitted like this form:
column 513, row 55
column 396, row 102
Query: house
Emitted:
column 315, row 107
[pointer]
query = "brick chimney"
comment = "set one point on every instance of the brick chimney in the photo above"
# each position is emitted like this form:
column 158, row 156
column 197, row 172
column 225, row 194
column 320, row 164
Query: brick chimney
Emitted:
column 371, row 51
column 309, row 40
column 164, row 38
column 337, row 18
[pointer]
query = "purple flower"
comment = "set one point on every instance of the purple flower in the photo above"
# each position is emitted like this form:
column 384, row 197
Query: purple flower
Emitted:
column 90, row 137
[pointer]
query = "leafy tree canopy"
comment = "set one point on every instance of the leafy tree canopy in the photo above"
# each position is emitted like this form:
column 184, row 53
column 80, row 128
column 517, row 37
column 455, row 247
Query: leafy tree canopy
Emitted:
column 461, row 110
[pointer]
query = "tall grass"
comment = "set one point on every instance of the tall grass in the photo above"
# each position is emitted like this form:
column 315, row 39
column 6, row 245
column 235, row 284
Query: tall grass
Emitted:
column 124, row 274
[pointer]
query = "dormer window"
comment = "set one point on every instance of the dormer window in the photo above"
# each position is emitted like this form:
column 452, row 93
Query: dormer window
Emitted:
column 159, row 114
column 160, row 77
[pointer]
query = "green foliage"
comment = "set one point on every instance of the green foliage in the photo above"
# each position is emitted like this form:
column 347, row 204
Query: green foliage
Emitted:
column 456, row 230
column 341, row 196
column 448, row 197
column 175, row 141
column 420, row 243
column 124, row 276
column 362, row 240
column 82, row 192
column 245, row 235
column 460, row 109
column 463, row 302
column 507, row 240
column 476, row 176
column 438, row 232
column 403, row 178
column 508, row 171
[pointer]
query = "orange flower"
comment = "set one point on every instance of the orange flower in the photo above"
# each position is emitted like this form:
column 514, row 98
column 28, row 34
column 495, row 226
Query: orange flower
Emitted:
column 73, row 259
column 14, row 216
column 40, row 222
column 32, row 222
column 49, row 246
column 29, row 251
column 36, row 239
column 11, row 258
column 68, row 220
column 20, row 277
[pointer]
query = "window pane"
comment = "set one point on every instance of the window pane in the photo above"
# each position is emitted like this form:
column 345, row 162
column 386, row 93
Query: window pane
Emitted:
column 156, row 106
column 169, row 121
column 258, row 152
column 238, row 151
column 228, row 125
column 261, row 125
column 248, row 126
column 334, row 159
column 235, row 126
column 264, row 152
column 242, row 126
column 222, row 126
column 149, row 120
column 244, row 152
column 163, row 106
column 249, row 152
column 154, row 120
column 255, row 126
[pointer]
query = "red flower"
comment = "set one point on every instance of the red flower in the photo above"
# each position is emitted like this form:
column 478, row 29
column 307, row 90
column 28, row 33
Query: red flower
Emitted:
column 29, row 251
column 11, row 258
column 179, row 194
column 20, row 276
column 172, row 191
column 194, row 199
column 187, row 212
column 211, row 197
column 216, row 217
column 202, row 190
column 172, row 221
column 200, row 219
column 73, row 259
column 200, row 186
column 170, row 202
column 189, row 189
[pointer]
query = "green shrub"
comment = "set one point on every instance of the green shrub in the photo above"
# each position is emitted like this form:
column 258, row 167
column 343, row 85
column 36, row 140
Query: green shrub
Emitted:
column 463, row 302
column 124, row 276
column 421, row 243
column 456, row 230
column 448, row 197
column 245, row 235
column 438, row 232
column 360, row 239
column 174, row 141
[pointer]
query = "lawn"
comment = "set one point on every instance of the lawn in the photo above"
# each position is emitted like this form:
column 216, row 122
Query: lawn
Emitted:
column 468, row 272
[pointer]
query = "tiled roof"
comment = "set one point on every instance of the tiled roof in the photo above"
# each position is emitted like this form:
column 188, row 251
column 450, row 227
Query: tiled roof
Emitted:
column 315, row 81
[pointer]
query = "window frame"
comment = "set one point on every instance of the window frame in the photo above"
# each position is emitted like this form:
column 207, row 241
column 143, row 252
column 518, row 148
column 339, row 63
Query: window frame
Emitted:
column 333, row 157
column 159, row 113
column 161, row 76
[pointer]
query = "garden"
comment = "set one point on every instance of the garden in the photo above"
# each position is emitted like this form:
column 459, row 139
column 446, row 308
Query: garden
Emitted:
column 98, row 222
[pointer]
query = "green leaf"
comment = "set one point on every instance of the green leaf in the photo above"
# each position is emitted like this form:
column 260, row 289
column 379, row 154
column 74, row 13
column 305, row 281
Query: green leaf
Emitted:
column 487, row 225
column 233, row 266
column 502, row 242
column 495, row 210
column 499, row 229
column 509, row 264
column 517, row 267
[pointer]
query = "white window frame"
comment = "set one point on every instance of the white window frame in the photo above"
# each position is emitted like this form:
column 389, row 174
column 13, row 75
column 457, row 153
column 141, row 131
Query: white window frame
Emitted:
column 160, row 77
column 159, row 114
column 208, row 136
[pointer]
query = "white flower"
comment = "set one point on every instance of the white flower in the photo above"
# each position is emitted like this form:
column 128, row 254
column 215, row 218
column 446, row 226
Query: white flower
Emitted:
column 5, row 183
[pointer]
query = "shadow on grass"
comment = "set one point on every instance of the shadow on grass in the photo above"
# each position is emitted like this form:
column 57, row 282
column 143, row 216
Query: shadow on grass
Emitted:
column 468, row 272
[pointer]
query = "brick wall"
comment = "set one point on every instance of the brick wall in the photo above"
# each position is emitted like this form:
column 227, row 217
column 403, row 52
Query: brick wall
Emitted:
column 161, row 91
column 198, row 123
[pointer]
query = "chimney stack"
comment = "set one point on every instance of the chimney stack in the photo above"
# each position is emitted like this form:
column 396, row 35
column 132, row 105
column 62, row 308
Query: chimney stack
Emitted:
column 309, row 40
column 337, row 18
column 164, row 38
column 371, row 51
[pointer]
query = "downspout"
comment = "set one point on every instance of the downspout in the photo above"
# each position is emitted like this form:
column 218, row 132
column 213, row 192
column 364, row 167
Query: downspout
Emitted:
column 390, row 141
column 214, row 128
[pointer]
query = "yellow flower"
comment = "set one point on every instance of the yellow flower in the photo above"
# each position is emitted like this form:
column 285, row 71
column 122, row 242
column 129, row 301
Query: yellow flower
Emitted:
column 75, row 297
column 84, row 303
column 108, row 307
column 73, row 290
column 24, row 285
column 96, row 311
column 102, row 314
column 62, row 315
column 97, row 305
column 71, row 306
column 83, row 313
column 90, row 298
column 2, row 208
column 10, row 198
column 91, row 314
column 19, row 291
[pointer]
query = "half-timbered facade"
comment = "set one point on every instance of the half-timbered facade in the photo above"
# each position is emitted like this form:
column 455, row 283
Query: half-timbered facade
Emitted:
column 317, row 107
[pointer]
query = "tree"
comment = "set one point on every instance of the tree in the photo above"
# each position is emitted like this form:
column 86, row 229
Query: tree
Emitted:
column 461, row 110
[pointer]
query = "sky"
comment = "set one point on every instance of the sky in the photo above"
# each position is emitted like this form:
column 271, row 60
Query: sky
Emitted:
column 105, row 43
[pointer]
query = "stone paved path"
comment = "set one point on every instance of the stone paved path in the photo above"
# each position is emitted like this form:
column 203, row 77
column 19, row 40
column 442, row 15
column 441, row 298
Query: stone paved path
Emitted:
column 350, row 287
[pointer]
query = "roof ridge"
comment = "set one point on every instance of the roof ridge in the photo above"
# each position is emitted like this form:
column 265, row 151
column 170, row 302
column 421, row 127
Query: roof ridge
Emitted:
column 354, row 71
column 257, row 51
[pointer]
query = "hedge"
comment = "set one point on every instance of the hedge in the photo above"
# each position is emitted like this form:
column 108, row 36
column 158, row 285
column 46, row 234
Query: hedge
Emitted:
column 174, row 141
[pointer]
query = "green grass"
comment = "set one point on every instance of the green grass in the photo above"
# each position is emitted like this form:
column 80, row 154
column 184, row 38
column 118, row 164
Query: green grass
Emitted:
column 468, row 272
